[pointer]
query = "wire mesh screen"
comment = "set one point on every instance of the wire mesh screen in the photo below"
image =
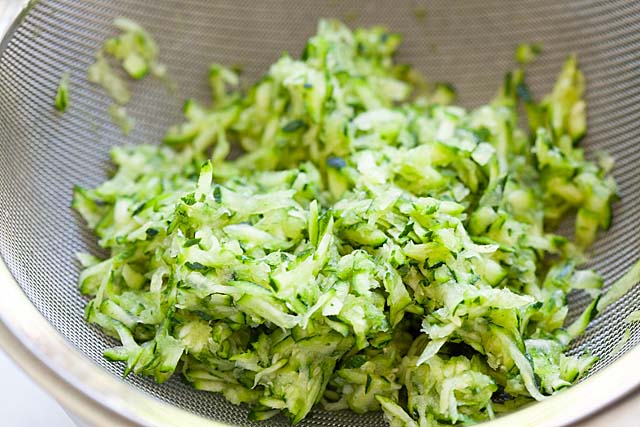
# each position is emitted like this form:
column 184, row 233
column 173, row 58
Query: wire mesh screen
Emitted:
column 44, row 154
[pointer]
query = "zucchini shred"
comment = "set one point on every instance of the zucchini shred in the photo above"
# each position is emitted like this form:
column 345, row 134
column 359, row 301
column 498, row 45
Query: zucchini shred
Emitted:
column 371, row 247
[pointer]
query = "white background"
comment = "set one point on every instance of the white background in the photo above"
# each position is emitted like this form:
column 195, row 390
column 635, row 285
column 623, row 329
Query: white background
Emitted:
column 23, row 403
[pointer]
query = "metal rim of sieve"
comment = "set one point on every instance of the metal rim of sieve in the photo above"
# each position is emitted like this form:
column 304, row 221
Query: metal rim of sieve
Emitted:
column 101, row 399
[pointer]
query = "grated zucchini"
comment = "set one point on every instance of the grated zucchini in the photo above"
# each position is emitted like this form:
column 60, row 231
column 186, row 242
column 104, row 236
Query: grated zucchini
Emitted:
column 137, row 52
column 61, row 101
column 369, row 239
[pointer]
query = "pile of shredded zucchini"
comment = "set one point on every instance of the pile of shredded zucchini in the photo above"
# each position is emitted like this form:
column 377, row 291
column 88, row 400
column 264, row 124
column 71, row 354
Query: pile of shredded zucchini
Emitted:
column 371, row 247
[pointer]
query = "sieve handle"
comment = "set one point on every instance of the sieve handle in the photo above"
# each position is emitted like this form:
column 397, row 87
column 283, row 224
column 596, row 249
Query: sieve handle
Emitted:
column 10, row 13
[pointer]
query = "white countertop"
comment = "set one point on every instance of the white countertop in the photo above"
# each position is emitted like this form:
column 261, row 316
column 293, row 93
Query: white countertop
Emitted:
column 23, row 403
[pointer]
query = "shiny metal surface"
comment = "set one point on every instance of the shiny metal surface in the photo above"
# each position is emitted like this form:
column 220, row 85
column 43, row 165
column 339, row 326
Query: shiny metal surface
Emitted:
column 10, row 14
column 43, row 154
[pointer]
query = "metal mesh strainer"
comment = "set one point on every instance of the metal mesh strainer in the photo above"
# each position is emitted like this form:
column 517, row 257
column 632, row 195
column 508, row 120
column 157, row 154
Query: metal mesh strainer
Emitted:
column 43, row 154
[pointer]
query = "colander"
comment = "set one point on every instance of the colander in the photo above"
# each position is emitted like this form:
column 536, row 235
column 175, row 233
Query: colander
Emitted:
column 43, row 154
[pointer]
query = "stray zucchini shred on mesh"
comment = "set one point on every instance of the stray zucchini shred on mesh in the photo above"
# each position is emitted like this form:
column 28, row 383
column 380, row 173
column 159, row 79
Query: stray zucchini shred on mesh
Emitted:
column 61, row 101
column 370, row 248
column 136, row 52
